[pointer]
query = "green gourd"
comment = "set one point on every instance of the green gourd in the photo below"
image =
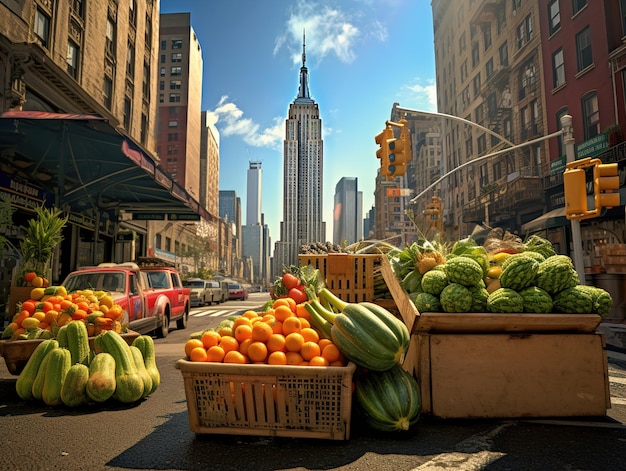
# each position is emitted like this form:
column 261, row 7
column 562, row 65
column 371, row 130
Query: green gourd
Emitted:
column 24, row 383
column 146, row 345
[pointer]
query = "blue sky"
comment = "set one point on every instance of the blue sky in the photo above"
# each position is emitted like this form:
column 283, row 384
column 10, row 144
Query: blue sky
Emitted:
column 362, row 56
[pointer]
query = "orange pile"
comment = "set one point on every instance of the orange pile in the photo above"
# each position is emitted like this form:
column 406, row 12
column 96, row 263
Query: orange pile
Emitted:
column 280, row 336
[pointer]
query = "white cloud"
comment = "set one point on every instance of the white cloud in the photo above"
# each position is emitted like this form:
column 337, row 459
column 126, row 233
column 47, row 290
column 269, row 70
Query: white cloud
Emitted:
column 423, row 94
column 231, row 121
column 328, row 31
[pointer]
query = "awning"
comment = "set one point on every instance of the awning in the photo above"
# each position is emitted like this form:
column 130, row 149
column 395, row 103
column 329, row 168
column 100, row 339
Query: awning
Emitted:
column 88, row 164
column 554, row 218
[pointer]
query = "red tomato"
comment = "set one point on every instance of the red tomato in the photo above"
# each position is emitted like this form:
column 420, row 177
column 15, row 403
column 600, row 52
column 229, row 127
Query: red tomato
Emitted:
column 290, row 280
column 298, row 295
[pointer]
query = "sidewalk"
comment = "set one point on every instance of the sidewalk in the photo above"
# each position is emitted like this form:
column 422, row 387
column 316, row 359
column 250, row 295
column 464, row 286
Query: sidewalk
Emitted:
column 614, row 335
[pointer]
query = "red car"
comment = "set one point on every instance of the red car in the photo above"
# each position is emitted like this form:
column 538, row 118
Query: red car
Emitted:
column 237, row 291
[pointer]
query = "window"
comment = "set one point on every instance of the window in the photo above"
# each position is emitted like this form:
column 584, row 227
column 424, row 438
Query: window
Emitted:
column 464, row 71
column 558, row 69
column 72, row 59
column 162, row 58
column 161, row 98
column 144, row 129
column 127, row 113
column 481, row 143
column 177, row 56
column 534, row 117
column 161, row 85
column 163, row 45
column 554, row 16
column 107, row 89
column 504, row 54
column 132, row 13
column 130, row 61
column 175, row 84
column 524, row 32
column 172, row 149
column 489, row 67
column 174, row 97
column 145, row 81
column 148, row 32
column 487, row 35
column 173, row 123
column 172, row 136
column 177, row 43
column 476, row 84
column 42, row 27
column 622, row 9
column 176, row 70
column 462, row 43
column 578, row 5
column 591, row 116
column 77, row 8
column 475, row 55
column 110, row 36
column 583, row 49
column 162, row 71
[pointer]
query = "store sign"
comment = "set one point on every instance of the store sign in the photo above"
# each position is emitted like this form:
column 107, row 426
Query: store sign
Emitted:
column 150, row 216
column 592, row 147
column 23, row 195
column 557, row 165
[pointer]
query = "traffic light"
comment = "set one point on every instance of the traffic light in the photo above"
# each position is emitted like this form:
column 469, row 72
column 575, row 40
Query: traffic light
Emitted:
column 605, row 180
column 400, row 149
column 575, row 192
column 383, row 140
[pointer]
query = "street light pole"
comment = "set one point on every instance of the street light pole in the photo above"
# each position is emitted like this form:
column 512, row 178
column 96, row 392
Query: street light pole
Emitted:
column 570, row 156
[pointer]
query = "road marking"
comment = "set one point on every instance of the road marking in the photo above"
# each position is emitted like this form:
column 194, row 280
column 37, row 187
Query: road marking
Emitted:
column 214, row 313
column 617, row 380
column 618, row 401
column 471, row 454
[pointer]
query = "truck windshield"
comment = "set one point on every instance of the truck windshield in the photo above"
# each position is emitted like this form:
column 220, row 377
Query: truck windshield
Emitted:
column 194, row 284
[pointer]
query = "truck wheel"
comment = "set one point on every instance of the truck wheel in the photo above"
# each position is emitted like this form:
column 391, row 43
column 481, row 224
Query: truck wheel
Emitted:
column 182, row 322
column 161, row 332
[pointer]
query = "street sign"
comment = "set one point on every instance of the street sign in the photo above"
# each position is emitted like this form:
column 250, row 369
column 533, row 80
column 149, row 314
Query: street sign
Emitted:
column 154, row 216
column 397, row 192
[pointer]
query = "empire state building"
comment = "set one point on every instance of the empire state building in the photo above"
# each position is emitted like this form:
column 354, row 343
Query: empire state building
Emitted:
column 303, row 157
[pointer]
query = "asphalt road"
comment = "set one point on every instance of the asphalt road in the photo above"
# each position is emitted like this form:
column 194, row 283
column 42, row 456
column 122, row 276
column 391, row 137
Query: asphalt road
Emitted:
column 154, row 433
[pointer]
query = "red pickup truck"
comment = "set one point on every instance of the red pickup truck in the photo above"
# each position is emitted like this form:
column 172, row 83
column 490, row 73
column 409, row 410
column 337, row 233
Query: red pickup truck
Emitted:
column 152, row 296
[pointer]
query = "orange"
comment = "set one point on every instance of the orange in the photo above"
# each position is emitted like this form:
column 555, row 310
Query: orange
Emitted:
column 310, row 335
column 29, row 276
column 250, row 314
column 242, row 320
column 210, row 338
column 235, row 357
column 261, row 331
column 257, row 351
column 277, row 327
column 302, row 312
column 282, row 312
column 331, row 353
column 294, row 342
column 215, row 354
column 268, row 316
column 323, row 342
column 243, row 332
column 243, row 346
column 191, row 344
column 305, row 322
column 277, row 358
column 310, row 350
column 28, row 306
column 228, row 343
column 226, row 331
column 280, row 302
column 318, row 361
column 37, row 282
column 40, row 315
column 293, row 358
column 198, row 354
column 276, row 343
column 291, row 324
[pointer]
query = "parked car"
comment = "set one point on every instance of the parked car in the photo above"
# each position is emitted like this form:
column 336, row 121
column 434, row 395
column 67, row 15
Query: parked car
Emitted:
column 237, row 291
column 219, row 294
column 200, row 292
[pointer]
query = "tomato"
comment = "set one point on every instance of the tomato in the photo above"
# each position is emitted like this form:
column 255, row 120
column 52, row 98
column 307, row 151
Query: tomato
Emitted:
column 298, row 295
column 290, row 280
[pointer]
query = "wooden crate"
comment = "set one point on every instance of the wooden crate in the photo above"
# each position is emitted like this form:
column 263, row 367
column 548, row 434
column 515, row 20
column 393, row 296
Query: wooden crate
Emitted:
column 268, row 400
column 497, row 365
column 17, row 352
column 348, row 276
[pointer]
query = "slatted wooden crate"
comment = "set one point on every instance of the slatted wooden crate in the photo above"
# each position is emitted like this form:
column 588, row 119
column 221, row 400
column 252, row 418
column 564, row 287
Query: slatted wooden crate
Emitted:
column 348, row 276
column 268, row 400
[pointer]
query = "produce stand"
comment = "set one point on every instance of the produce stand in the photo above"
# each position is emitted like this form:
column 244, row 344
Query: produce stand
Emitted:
column 496, row 365
column 268, row 400
column 17, row 352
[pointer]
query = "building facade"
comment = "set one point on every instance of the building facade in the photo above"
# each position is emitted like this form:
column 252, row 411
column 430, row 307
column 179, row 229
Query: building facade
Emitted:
column 303, row 187
column 255, row 234
column 348, row 212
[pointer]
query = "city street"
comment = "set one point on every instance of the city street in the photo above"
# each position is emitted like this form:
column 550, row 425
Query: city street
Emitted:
column 154, row 433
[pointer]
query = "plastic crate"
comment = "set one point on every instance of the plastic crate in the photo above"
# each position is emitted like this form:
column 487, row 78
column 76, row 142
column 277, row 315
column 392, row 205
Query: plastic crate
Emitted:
column 268, row 400
column 348, row 276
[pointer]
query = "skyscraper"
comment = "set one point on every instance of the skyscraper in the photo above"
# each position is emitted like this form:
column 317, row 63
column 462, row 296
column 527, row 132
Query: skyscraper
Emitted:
column 302, row 176
column 348, row 211
column 253, row 196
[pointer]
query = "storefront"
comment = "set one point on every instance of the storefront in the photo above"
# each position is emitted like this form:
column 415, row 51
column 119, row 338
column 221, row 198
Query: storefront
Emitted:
column 96, row 175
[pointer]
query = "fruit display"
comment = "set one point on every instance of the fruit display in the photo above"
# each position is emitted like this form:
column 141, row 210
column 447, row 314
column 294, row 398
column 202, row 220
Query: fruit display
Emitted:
column 504, row 275
column 69, row 372
column 47, row 310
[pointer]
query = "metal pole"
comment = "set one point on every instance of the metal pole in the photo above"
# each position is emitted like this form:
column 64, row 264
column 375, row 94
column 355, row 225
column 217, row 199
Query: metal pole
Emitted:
column 577, row 249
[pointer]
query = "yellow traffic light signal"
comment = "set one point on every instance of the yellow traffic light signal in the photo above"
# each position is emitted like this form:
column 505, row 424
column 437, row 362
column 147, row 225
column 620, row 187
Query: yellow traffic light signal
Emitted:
column 605, row 180
column 383, row 140
column 400, row 149
column 575, row 192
